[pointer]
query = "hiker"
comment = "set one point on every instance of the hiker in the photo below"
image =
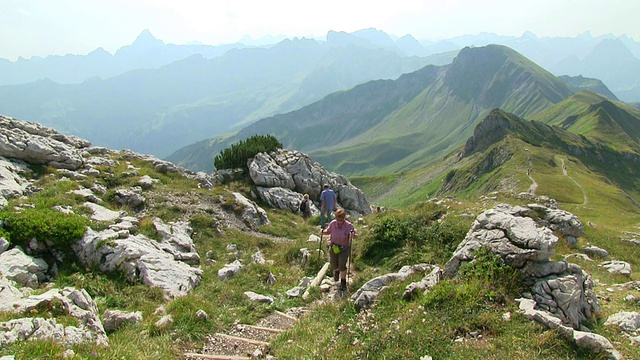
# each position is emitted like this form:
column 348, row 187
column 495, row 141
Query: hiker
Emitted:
column 328, row 203
column 305, row 207
column 339, row 244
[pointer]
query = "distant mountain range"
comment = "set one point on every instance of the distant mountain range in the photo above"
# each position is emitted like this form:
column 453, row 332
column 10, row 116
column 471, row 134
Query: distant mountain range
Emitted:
column 162, row 99
column 158, row 111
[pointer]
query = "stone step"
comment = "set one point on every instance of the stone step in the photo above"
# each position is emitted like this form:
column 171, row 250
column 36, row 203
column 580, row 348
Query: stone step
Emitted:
column 194, row 356
column 254, row 332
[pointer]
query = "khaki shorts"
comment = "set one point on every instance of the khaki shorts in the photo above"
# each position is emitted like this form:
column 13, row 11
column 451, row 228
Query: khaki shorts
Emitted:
column 339, row 261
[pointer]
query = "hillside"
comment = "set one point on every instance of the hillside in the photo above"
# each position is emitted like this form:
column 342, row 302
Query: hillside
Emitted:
column 175, row 265
column 391, row 126
column 158, row 111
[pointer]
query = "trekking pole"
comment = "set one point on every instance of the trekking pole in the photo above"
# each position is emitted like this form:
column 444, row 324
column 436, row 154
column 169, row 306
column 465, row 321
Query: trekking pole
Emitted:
column 349, row 261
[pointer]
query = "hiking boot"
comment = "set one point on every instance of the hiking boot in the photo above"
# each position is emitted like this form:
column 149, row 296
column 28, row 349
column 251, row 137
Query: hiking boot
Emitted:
column 343, row 284
column 336, row 275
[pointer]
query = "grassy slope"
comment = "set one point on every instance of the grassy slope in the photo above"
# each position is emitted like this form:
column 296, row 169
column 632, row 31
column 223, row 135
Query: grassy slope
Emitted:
column 395, row 329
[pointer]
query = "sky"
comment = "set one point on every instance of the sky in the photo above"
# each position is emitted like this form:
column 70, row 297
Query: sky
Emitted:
column 58, row 27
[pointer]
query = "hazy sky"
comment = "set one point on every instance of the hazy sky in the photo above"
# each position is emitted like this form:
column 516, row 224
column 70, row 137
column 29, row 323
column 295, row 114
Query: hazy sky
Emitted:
column 46, row 27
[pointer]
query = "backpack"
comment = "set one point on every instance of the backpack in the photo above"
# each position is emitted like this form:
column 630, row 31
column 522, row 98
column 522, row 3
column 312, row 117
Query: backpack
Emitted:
column 303, row 205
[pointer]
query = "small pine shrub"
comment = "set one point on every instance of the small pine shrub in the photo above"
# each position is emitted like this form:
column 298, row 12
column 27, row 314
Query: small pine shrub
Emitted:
column 237, row 155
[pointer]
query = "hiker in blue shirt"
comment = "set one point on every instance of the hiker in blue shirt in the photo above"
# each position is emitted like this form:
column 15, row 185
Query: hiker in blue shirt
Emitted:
column 328, row 203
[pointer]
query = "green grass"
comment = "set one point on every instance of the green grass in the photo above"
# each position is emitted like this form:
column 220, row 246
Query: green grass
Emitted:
column 411, row 231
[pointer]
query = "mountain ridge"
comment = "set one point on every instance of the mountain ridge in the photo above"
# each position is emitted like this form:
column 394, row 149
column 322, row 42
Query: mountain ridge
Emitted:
column 429, row 121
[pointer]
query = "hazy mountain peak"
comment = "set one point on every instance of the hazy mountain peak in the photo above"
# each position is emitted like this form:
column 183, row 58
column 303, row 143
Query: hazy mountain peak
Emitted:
column 146, row 39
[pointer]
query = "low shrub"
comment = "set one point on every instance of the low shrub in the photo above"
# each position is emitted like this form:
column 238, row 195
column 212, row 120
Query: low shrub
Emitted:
column 61, row 229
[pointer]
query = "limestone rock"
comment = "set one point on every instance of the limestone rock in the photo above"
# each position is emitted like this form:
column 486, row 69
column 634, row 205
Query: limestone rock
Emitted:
column 257, row 297
column 229, row 270
column 627, row 321
column 112, row 320
column 251, row 214
column 101, row 213
column 23, row 269
column 75, row 303
column 617, row 267
column 138, row 257
column 36, row 144
column 296, row 172
column 367, row 294
column 560, row 288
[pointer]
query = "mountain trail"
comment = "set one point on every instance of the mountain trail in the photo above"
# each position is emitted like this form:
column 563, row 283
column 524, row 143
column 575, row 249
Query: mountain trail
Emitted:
column 244, row 342
column 534, row 185
column 585, row 200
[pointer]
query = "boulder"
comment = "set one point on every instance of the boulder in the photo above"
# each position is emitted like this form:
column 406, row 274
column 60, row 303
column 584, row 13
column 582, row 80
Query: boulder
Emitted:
column 257, row 297
column 23, row 269
column 252, row 215
column 617, row 267
column 299, row 174
column 112, row 320
column 265, row 172
column 230, row 270
column 130, row 197
column 367, row 294
column 627, row 321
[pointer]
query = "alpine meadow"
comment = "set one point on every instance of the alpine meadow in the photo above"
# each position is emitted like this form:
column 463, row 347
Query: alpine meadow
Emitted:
column 150, row 200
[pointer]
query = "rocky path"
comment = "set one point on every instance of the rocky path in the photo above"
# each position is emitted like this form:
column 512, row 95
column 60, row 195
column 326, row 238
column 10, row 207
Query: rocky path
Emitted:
column 246, row 341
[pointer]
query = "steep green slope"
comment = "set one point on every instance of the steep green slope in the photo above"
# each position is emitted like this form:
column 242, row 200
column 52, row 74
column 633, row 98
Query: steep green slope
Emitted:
column 613, row 123
column 509, row 156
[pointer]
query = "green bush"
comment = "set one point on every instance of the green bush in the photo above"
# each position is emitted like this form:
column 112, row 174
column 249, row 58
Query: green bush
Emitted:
column 61, row 229
column 413, row 235
column 237, row 155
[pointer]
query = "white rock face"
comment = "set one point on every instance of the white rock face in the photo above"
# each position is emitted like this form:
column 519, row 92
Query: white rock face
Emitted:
column 162, row 264
column 293, row 174
column 21, row 268
column 37, row 144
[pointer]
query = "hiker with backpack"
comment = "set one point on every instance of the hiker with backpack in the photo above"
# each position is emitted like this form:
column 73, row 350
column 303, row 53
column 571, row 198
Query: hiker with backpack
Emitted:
column 341, row 232
column 305, row 207
column 328, row 203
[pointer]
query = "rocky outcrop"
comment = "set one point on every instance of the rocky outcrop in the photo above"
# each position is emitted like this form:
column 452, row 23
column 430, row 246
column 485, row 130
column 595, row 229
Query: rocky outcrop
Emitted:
column 561, row 288
column 38, row 144
column 299, row 174
column 164, row 264
column 72, row 302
